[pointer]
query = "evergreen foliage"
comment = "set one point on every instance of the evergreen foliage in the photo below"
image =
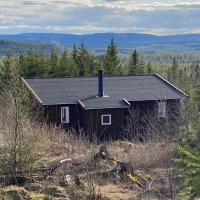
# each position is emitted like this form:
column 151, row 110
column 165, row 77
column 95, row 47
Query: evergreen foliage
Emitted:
column 111, row 61
column 134, row 63
column 190, row 163
column 21, row 148
column 137, row 65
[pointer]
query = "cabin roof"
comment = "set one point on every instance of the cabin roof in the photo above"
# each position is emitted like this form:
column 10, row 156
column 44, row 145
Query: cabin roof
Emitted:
column 95, row 102
column 57, row 91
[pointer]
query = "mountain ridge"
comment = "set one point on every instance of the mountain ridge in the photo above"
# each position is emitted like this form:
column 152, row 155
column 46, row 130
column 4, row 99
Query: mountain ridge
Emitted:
column 123, row 40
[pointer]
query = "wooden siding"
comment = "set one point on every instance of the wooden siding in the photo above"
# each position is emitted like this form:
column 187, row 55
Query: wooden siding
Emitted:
column 148, row 121
column 115, row 130
column 89, row 121
column 53, row 115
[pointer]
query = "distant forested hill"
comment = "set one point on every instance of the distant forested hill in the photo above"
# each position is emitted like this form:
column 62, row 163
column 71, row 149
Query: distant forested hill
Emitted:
column 123, row 40
column 12, row 47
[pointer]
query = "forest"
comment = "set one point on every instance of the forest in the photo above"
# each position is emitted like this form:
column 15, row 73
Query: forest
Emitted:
column 34, row 158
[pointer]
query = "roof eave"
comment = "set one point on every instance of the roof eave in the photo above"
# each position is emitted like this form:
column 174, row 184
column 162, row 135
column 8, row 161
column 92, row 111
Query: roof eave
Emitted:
column 173, row 86
column 32, row 91
column 103, row 108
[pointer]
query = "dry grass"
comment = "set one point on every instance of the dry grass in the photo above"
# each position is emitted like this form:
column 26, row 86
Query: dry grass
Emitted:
column 117, row 192
column 152, row 158
column 143, row 155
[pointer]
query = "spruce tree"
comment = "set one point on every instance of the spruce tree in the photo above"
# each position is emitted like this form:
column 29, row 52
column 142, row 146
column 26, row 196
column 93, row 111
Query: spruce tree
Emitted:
column 75, row 54
column 63, row 65
column 189, row 161
column 142, row 66
column 32, row 64
column 111, row 61
column 197, row 73
column 53, row 63
column 5, row 71
column 134, row 63
column 197, row 96
column 82, row 60
column 149, row 68
column 174, row 69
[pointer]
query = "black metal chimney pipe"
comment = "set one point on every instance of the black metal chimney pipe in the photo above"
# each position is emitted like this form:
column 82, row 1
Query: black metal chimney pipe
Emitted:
column 100, row 92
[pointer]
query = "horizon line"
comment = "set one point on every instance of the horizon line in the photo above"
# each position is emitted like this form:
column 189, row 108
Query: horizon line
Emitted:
column 82, row 34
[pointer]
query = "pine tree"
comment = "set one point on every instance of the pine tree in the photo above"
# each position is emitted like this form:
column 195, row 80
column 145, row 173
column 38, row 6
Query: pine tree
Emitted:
column 111, row 61
column 134, row 63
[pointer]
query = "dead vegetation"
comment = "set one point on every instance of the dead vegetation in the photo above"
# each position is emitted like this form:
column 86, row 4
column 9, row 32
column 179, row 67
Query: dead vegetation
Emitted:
column 50, row 163
column 101, row 174
column 116, row 170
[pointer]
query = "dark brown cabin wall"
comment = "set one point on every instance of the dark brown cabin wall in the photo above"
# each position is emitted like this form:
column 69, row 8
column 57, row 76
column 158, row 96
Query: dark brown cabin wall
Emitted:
column 174, row 116
column 115, row 130
column 90, row 121
column 53, row 115
column 148, row 120
column 81, row 118
column 145, row 113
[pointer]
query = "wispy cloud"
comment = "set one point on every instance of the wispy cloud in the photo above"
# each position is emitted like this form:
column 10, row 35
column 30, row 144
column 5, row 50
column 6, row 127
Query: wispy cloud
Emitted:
column 88, row 16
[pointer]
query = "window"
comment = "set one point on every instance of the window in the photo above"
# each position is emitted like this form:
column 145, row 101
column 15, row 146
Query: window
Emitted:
column 162, row 109
column 64, row 115
column 106, row 119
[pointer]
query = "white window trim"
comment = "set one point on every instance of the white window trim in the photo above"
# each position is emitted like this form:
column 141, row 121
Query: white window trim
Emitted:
column 64, row 109
column 162, row 109
column 108, row 115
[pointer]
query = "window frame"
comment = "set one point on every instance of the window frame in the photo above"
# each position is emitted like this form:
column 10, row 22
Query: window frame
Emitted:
column 110, row 119
column 64, row 109
column 162, row 109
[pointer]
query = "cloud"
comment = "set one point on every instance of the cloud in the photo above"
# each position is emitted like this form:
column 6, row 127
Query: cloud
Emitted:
column 89, row 16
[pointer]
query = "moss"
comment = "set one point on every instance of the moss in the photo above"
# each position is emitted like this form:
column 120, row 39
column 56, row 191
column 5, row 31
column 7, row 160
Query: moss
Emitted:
column 35, row 187
column 146, row 177
column 54, row 191
column 132, row 178
column 35, row 196
column 4, row 196
column 16, row 193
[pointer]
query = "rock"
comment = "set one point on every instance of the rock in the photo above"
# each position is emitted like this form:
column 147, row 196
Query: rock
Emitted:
column 80, row 183
column 102, row 154
column 120, row 167
column 68, row 180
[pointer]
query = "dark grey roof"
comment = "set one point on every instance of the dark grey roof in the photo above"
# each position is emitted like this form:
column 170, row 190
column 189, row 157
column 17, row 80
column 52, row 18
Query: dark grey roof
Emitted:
column 54, row 91
column 95, row 102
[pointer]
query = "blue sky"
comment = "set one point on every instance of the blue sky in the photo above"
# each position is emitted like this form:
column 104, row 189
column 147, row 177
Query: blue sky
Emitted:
column 90, row 16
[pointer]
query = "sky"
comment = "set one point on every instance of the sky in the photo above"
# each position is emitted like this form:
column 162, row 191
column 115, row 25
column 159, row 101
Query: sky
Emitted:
column 92, row 16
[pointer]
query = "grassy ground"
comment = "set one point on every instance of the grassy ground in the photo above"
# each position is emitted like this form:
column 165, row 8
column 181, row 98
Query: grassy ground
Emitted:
column 150, row 172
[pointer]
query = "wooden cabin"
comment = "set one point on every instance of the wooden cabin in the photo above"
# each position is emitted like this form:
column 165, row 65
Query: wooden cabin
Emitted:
column 102, row 105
